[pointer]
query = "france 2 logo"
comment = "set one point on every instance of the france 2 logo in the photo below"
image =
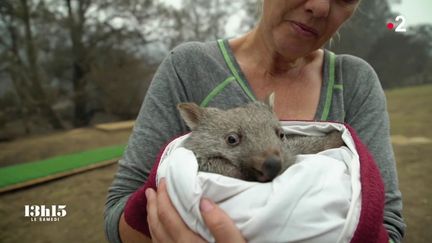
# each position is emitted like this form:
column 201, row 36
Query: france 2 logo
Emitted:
column 44, row 213
column 399, row 25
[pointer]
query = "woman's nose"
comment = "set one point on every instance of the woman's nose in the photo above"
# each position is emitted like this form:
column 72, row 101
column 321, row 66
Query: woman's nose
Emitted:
column 318, row 8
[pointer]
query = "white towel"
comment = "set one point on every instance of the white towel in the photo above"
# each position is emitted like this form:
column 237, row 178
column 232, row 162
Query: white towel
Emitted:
column 315, row 200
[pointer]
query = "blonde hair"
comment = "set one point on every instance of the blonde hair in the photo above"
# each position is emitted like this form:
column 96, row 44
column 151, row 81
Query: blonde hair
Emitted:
column 259, row 8
column 332, row 39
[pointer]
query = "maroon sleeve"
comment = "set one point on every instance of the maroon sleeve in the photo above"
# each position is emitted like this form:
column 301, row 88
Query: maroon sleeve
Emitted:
column 135, row 211
column 371, row 223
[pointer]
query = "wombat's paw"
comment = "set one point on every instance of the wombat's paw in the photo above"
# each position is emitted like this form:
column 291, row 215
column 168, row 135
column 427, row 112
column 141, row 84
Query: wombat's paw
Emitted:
column 334, row 139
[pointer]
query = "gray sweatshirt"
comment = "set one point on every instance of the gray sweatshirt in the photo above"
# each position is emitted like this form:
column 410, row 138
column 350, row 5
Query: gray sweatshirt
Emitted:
column 208, row 74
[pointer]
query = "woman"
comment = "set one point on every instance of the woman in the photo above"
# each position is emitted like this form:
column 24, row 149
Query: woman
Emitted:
column 281, row 54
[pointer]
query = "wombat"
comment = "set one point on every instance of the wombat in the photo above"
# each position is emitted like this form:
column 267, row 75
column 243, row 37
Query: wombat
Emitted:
column 246, row 142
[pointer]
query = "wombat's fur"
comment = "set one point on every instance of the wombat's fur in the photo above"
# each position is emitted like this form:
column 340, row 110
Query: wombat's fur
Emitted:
column 247, row 142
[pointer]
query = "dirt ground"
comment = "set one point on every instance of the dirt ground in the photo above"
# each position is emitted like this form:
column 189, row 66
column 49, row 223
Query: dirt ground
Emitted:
column 84, row 197
column 84, row 194
column 45, row 146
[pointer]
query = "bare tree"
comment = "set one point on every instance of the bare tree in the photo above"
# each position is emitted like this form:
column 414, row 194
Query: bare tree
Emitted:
column 107, row 25
column 76, row 24
column 199, row 20
column 23, row 67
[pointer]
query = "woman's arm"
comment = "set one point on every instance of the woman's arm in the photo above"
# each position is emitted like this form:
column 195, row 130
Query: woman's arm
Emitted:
column 366, row 112
column 187, row 74
column 157, row 122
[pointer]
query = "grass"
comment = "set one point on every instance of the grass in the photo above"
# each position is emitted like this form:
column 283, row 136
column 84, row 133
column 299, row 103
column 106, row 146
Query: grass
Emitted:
column 15, row 174
column 410, row 115
column 411, row 110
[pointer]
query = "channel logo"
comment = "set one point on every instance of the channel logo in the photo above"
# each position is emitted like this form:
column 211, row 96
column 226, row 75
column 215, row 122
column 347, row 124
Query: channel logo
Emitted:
column 399, row 24
column 44, row 213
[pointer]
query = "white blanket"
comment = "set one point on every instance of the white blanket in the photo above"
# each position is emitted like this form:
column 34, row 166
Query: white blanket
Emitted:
column 315, row 200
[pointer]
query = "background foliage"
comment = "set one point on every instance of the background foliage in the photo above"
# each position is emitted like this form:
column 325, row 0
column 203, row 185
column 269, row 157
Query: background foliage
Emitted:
column 73, row 63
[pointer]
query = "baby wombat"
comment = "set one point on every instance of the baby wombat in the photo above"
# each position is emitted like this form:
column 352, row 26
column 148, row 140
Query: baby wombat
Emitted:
column 247, row 142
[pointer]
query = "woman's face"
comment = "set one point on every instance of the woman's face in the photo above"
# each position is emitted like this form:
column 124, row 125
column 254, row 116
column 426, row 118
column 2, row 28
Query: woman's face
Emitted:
column 298, row 27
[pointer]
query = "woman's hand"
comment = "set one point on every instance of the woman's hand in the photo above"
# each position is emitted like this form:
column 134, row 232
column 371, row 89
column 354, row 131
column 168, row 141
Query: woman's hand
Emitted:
column 166, row 224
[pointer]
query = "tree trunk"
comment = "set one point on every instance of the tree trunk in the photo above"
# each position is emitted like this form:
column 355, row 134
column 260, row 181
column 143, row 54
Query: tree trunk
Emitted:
column 38, row 91
column 80, row 69
column 25, row 103
column 80, row 98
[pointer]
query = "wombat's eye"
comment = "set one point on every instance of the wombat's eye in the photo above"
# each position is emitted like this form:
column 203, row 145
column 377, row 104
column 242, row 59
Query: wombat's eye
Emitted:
column 280, row 133
column 232, row 139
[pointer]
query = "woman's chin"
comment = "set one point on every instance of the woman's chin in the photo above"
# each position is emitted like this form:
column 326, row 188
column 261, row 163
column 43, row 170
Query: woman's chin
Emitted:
column 287, row 45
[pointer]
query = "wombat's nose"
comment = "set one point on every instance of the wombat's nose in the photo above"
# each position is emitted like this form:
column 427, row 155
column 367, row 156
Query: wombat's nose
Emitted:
column 270, row 169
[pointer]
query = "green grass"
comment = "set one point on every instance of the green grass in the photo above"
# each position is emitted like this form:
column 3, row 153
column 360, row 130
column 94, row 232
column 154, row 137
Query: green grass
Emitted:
column 24, row 172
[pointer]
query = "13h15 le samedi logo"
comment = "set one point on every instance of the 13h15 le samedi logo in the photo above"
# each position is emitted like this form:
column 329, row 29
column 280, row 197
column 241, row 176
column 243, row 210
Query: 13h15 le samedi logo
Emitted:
column 44, row 213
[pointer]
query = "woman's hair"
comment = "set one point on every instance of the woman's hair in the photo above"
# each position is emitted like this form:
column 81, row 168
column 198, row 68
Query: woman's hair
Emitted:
column 332, row 39
column 260, row 5
column 259, row 8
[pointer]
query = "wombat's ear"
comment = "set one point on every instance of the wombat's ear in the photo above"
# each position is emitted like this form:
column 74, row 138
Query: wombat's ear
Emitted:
column 270, row 100
column 191, row 113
